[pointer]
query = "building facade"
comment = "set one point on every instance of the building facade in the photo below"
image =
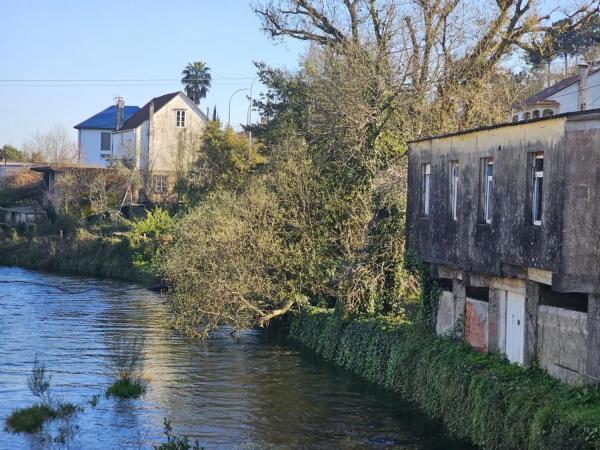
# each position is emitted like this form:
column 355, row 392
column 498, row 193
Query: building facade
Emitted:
column 507, row 217
column 161, row 140
column 94, row 135
column 575, row 93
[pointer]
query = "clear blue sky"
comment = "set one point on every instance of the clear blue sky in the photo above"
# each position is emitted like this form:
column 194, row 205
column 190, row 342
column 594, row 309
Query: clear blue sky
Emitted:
column 132, row 39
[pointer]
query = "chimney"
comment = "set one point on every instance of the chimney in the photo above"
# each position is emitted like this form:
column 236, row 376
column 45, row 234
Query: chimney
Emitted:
column 583, row 86
column 120, row 113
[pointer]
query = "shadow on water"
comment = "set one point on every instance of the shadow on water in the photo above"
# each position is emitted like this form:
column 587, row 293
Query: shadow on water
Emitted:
column 251, row 391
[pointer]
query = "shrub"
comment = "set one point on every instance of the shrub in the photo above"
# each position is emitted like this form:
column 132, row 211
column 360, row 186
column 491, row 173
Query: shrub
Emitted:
column 176, row 442
column 30, row 419
column 126, row 388
column 481, row 397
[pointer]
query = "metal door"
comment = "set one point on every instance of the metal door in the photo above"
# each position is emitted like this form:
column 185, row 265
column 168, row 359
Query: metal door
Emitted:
column 515, row 327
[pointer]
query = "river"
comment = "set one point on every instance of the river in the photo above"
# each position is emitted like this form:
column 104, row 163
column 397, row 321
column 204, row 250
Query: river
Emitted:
column 249, row 392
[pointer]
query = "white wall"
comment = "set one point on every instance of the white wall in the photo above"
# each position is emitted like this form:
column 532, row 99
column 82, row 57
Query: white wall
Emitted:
column 123, row 145
column 568, row 98
column 89, row 147
column 166, row 153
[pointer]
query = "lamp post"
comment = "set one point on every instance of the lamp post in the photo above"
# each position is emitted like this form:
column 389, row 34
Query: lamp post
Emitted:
column 229, row 113
column 249, row 114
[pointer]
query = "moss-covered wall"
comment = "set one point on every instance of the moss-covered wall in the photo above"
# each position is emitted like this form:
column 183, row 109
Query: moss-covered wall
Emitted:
column 479, row 397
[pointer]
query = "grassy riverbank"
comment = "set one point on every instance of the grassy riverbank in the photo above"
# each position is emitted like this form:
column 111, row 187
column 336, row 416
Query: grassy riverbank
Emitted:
column 83, row 254
column 479, row 397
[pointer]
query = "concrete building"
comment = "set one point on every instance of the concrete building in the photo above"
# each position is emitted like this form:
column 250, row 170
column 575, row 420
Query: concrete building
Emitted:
column 94, row 137
column 576, row 93
column 508, row 218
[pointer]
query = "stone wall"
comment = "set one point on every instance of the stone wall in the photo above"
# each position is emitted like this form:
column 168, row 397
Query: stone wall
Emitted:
column 561, row 342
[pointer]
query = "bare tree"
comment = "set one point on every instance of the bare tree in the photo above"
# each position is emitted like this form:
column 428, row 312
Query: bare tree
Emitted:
column 53, row 146
column 443, row 51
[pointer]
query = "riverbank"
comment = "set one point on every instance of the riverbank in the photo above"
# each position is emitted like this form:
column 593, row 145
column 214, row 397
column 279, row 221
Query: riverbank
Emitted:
column 479, row 397
column 89, row 255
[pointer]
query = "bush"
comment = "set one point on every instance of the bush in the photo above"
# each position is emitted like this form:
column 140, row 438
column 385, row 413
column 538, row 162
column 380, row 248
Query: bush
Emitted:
column 176, row 442
column 31, row 419
column 480, row 397
column 126, row 388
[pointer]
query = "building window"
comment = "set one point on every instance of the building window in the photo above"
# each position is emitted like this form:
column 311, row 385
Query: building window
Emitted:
column 527, row 116
column 537, row 191
column 536, row 114
column 180, row 118
column 454, row 168
column 161, row 183
column 105, row 142
column 425, row 189
column 486, row 190
column 548, row 113
column 515, row 118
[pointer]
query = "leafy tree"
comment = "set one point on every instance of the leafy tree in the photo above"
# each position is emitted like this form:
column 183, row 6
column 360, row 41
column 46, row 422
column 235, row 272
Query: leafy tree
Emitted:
column 10, row 153
column 197, row 79
column 225, row 158
column 215, row 116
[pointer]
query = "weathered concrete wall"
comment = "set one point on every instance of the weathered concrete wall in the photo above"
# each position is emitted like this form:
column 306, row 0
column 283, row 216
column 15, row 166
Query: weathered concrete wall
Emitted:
column 561, row 342
column 445, row 314
column 476, row 324
column 510, row 239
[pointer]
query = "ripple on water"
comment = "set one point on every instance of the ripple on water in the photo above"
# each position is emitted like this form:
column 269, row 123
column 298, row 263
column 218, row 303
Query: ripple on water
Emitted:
column 241, row 392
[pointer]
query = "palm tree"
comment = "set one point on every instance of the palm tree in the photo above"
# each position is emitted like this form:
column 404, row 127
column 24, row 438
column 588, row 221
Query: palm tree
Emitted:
column 196, row 78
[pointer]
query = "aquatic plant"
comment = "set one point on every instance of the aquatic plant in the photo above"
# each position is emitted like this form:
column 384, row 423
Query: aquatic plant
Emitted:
column 176, row 442
column 32, row 418
column 127, row 363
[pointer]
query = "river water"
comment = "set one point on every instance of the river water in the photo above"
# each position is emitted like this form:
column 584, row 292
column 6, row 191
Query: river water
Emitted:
column 248, row 392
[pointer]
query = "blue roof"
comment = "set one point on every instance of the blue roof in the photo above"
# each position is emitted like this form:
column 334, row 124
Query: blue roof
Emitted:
column 107, row 119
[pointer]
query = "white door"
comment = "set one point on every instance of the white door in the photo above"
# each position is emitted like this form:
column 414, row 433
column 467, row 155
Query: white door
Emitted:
column 515, row 327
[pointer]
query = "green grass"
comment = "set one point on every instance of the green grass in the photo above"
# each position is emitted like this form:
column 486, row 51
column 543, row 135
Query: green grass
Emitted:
column 480, row 397
column 32, row 418
column 126, row 388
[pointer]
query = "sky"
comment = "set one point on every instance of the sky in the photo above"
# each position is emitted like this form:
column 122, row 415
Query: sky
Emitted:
column 124, row 40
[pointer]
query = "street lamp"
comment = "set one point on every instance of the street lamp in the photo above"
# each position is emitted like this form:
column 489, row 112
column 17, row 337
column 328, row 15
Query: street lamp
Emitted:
column 229, row 113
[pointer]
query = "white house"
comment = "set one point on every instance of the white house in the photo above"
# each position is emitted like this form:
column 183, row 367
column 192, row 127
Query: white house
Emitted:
column 95, row 134
column 576, row 93
column 160, row 140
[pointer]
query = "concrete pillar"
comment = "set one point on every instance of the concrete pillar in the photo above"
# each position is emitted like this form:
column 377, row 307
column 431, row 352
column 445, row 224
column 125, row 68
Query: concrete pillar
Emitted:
column 593, row 339
column 494, row 321
column 532, row 299
column 460, row 298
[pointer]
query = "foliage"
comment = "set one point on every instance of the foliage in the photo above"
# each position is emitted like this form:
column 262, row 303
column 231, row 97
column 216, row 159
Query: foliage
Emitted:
column 196, row 78
column 228, row 263
column 150, row 236
column 53, row 146
column 126, row 360
column 481, row 397
column 39, row 382
column 13, row 154
column 79, row 253
column 176, row 442
column 124, row 389
column 225, row 159
column 20, row 187
column 30, row 419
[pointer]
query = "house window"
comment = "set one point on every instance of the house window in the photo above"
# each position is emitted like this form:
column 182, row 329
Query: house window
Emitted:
column 454, row 167
column 548, row 113
column 537, row 191
column 486, row 190
column 180, row 118
column 536, row 114
column 527, row 116
column 105, row 142
column 515, row 118
column 161, row 183
column 425, row 189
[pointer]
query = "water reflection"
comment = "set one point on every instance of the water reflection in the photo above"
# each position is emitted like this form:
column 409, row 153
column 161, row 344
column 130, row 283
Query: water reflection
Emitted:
column 246, row 392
